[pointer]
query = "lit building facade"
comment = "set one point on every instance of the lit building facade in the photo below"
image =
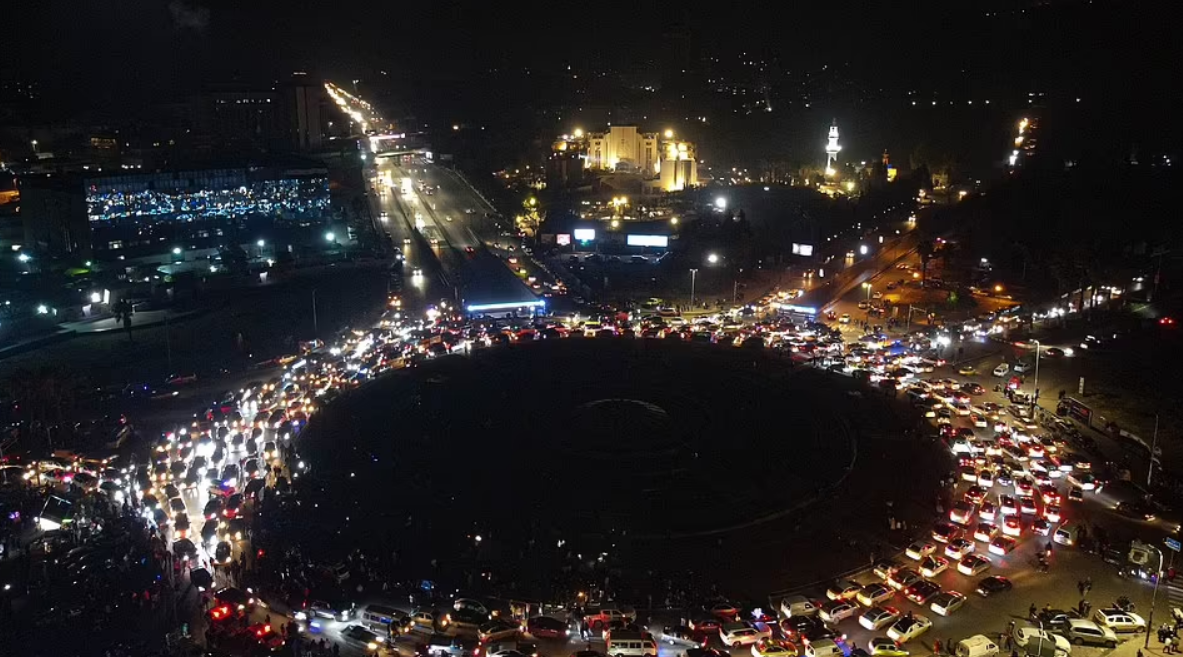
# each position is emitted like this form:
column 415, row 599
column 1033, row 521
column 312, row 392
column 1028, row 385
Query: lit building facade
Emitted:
column 669, row 162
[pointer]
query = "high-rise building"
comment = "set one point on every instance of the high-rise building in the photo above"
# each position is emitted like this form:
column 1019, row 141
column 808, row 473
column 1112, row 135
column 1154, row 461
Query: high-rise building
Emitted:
column 622, row 148
column 661, row 160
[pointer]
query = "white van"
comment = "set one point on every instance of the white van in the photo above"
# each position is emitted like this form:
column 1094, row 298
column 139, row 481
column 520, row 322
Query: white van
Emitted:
column 379, row 618
column 797, row 605
column 1067, row 534
column 978, row 645
column 625, row 643
column 823, row 648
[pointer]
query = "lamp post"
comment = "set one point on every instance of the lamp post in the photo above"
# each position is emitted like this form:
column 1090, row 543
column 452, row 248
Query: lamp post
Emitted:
column 1038, row 348
column 1154, row 595
column 693, row 276
column 315, row 327
column 867, row 287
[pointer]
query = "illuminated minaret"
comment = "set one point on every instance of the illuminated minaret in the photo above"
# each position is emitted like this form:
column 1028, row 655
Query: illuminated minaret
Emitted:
column 832, row 149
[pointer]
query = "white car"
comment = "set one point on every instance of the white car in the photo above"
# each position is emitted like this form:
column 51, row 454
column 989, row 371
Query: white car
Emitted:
column 1027, row 505
column 873, row 594
column 843, row 590
column 986, row 478
column 947, row 602
column 879, row 617
column 1002, row 370
column 961, row 513
column 920, row 549
column 979, row 421
column 933, row 566
column 973, row 565
column 1008, row 506
column 837, row 611
column 906, row 629
column 988, row 512
column 957, row 549
column 1119, row 621
column 745, row 635
column 1022, row 366
column 1025, row 635
column 1083, row 481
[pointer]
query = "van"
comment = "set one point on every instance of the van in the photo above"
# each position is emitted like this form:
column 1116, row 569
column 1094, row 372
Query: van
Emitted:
column 379, row 618
column 625, row 643
column 978, row 645
column 1067, row 534
column 797, row 605
column 823, row 648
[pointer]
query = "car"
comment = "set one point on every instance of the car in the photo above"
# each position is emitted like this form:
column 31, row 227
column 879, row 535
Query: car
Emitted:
column 962, row 512
column 975, row 495
column 546, row 627
column 973, row 565
column 497, row 630
column 837, row 611
column 1002, row 545
column 979, row 421
column 882, row 646
column 993, row 585
column 920, row 549
column 902, row 579
column 908, row 628
column 1027, row 505
column 967, row 370
column 944, row 532
column 360, row 635
column 1083, row 481
column 1041, row 526
column 1084, row 632
column 1137, row 510
column 946, row 602
column 774, row 648
column 884, row 568
column 1008, row 505
column 793, row 627
column 985, row 532
column 1024, row 636
column 1119, row 621
column 1075, row 494
column 922, row 591
column 843, row 589
column 1012, row 526
column 741, row 635
column 957, row 549
column 877, row 618
column 933, row 566
column 844, row 319
column 873, row 594
column 1051, row 513
column 725, row 611
column 986, row 479
column 680, row 635
column 988, row 512
column 705, row 624
column 1002, row 370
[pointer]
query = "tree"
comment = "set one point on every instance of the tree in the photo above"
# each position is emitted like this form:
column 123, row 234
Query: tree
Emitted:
column 925, row 248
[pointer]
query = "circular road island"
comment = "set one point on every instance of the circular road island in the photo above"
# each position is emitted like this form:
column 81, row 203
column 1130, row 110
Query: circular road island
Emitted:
column 651, row 459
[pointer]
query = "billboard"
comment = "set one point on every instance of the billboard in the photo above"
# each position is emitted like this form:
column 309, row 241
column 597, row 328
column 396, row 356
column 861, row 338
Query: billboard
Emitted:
column 802, row 249
column 585, row 234
column 563, row 239
column 662, row 241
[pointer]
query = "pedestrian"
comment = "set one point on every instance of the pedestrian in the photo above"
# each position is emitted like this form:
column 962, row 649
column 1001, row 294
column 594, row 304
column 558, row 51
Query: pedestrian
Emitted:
column 1139, row 652
column 1080, row 587
column 936, row 647
column 1088, row 585
column 1032, row 613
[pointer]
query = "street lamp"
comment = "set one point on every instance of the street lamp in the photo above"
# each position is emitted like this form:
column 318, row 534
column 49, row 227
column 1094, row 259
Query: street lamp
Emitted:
column 24, row 257
column 713, row 258
column 329, row 236
column 721, row 203
column 867, row 287
column 693, row 276
column 862, row 249
column 1035, row 399
column 176, row 250
column 260, row 243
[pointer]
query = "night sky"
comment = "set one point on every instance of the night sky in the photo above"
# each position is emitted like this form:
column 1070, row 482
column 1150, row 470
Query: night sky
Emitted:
column 119, row 56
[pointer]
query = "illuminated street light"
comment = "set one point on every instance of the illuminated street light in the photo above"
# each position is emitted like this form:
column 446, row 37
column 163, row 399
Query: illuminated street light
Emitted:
column 721, row 203
column 176, row 250
column 329, row 236
column 997, row 289
column 24, row 257
column 616, row 223
column 673, row 221
column 43, row 309
column 669, row 134
column 260, row 243
column 95, row 297
column 578, row 133
column 862, row 249
column 713, row 258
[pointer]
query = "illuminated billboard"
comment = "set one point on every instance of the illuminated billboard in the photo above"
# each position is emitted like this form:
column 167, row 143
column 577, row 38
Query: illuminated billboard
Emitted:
column 802, row 249
column 662, row 241
column 585, row 234
column 563, row 239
